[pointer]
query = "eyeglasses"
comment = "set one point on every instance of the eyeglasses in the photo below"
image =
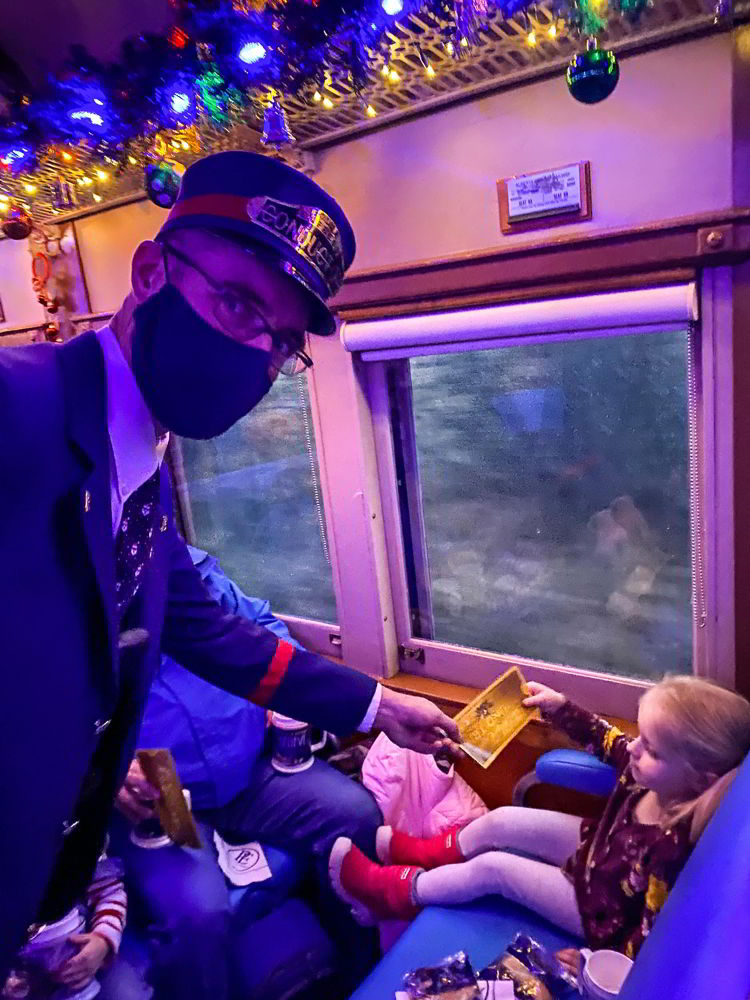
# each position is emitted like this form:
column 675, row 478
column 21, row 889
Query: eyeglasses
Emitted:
column 239, row 316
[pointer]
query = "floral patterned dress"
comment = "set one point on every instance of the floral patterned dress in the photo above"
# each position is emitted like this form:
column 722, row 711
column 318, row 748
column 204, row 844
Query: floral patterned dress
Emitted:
column 623, row 870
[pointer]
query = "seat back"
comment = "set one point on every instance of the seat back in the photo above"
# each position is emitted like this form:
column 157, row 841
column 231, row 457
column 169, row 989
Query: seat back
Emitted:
column 699, row 948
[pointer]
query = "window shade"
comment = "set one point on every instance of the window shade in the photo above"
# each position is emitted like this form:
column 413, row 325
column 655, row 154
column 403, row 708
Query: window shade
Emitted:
column 379, row 339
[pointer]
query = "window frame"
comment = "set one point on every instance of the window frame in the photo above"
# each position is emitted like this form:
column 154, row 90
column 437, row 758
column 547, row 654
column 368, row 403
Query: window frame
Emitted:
column 713, row 646
column 354, row 520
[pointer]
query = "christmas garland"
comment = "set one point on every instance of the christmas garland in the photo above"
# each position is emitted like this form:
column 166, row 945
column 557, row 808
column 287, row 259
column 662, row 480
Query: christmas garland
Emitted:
column 221, row 56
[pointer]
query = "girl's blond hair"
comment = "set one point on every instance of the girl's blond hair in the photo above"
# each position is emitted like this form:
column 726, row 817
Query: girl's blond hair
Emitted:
column 708, row 728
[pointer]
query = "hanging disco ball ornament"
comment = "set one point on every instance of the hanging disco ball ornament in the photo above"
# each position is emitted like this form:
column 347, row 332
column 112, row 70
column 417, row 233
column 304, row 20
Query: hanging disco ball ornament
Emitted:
column 163, row 182
column 17, row 224
column 276, row 131
column 592, row 75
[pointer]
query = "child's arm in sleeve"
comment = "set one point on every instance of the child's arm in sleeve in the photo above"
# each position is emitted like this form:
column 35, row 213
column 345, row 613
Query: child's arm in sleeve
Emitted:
column 107, row 902
column 595, row 734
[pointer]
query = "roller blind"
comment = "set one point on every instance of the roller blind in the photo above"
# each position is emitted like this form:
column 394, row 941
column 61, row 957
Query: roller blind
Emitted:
column 478, row 328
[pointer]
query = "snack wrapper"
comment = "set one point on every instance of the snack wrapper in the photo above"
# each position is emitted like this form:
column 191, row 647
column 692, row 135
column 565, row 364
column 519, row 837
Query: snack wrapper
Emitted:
column 535, row 972
column 452, row 979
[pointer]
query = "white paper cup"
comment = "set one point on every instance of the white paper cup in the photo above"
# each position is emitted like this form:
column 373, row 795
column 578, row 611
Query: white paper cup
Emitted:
column 603, row 973
column 50, row 948
column 150, row 833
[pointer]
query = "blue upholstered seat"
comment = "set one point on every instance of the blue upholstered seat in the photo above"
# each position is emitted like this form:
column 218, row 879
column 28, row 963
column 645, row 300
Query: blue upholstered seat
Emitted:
column 698, row 948
column 278, row 944
column 249, row 903
column 482, row 929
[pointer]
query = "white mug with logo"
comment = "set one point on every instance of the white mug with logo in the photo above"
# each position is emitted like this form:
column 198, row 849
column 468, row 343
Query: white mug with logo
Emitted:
column 603, row 973
column 292, row 750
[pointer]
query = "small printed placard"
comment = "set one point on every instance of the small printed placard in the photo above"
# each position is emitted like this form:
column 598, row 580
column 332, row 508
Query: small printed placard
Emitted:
column 555, row 191
column 547, row 198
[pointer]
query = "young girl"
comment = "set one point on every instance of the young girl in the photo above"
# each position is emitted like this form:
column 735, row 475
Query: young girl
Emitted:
column 603, row 880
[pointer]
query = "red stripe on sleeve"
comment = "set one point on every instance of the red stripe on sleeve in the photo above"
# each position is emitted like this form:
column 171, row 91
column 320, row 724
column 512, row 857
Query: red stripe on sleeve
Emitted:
column 277, row 668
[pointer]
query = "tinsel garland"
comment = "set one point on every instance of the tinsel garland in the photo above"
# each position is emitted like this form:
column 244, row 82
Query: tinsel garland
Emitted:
column 217, row 52
column 219, row 64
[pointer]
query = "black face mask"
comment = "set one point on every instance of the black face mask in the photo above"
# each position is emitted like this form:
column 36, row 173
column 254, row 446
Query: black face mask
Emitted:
column 196, row 381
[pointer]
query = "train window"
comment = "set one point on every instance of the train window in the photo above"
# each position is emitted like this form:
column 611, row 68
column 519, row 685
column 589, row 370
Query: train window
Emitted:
column 544, row 491
column 550, row 475
column 254, row 498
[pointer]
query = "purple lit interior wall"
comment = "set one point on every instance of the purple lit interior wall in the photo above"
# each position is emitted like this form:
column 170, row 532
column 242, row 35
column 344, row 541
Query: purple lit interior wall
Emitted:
column 660, row 147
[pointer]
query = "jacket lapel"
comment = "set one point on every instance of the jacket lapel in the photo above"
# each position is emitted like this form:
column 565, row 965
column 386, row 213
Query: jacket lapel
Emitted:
column 84, row 378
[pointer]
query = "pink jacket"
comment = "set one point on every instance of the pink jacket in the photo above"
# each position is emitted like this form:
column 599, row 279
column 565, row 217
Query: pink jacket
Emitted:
column 414, row 795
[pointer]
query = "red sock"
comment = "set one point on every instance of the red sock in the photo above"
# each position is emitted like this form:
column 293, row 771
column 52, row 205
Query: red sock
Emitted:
column 427, row 852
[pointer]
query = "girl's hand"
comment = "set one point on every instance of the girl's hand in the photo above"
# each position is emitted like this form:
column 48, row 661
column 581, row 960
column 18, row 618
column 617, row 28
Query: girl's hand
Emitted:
column 541, row 696
column 79, row 970
column 571, row 959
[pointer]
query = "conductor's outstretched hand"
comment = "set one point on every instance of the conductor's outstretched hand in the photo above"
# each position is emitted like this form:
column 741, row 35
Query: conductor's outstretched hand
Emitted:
column 417, row 724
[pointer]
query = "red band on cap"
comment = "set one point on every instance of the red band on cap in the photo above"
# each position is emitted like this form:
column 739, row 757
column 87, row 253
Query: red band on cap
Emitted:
column 277, row 668
column 228, row 206
column 306, row 230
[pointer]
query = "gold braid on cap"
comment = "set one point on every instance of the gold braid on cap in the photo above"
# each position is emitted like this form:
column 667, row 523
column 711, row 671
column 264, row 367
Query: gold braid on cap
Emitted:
column 309, row 231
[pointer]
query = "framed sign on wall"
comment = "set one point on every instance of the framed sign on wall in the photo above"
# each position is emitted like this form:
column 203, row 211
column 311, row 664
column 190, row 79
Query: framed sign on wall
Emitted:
column 548, row 198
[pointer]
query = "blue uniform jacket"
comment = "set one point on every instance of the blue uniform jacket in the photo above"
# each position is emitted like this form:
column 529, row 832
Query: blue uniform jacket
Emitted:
column 215, row 737
column 63, row 684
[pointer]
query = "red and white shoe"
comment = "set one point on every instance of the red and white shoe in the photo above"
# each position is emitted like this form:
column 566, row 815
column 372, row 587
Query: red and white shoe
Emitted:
column 427, row 852
column 374, row 893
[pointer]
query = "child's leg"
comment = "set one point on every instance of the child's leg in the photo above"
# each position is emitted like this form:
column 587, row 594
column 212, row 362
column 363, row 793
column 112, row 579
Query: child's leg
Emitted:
column 551, row 836
column 539, row 886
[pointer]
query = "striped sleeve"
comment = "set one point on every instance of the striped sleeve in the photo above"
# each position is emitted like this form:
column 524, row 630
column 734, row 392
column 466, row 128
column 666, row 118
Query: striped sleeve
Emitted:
column 108, row 903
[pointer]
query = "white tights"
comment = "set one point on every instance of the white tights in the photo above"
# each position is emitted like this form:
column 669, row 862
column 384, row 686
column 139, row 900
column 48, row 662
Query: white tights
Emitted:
column 537, row 883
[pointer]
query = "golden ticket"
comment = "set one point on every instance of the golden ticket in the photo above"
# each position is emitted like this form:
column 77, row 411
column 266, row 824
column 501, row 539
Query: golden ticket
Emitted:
column 490, row 722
